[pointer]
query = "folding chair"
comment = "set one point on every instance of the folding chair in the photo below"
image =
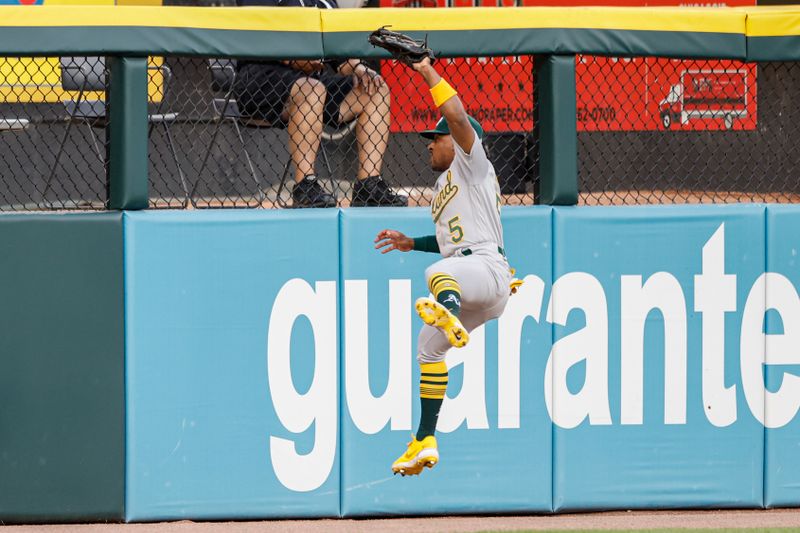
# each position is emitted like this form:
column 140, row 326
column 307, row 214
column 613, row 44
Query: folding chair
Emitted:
column 226, row 109
column 88, row 74
column 223, row 76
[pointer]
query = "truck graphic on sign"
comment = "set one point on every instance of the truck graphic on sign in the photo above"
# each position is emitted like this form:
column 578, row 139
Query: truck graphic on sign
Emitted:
column 706, row 94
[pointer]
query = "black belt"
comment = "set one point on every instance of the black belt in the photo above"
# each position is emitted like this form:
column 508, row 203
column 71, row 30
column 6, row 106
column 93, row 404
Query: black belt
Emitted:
column 467, row 251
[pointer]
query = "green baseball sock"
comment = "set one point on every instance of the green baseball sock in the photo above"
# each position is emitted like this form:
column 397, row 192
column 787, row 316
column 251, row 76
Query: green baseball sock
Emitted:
column 432, row 387
column 447, row 292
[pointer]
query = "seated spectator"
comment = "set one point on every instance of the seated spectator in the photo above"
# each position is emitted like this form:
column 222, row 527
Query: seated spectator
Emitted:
column 304, row 94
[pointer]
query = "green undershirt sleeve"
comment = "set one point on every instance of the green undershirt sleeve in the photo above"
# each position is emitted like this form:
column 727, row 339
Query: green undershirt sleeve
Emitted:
column 426, row 244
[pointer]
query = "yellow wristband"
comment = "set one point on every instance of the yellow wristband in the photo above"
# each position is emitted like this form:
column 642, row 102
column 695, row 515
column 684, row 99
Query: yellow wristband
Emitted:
column 442, row 92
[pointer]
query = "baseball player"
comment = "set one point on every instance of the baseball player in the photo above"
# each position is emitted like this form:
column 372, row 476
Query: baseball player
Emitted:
column 470, row 285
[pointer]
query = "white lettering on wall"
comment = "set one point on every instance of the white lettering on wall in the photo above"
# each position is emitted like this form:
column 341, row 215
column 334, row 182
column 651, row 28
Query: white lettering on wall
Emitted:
column 714, row 295
column 773, row 409
column 318, row 406
column 578, row 290
column 369, row 413
column 469, row 405
column 526, row 303
column 663, row 292
column 572, row 295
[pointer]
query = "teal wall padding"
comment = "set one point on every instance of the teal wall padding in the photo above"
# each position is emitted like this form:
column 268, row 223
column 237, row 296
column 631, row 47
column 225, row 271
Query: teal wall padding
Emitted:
column 455, row 43
column 781, row 460
column 212, row 310
column 61, row 368
column 228, row 32
column 664, row 439
column 144, row 41
column 500, row 370
column 276, row 43
column 778, row 48
column 203, row 430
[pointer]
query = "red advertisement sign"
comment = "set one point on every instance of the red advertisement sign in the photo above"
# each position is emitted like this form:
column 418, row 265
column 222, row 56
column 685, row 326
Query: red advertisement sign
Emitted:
column 498, row 91
column 655, row 93
column 613, row 94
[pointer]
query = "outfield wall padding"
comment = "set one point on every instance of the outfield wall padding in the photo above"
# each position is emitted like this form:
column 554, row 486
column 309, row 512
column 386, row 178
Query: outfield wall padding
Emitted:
column 200, row 294
column 649, row 361
column 782, row 464
column 773, row 33
column 143, row 31
column 312, row 33
column 493, row 409
column 677, row 432
column 62, row 393
column 271, row 365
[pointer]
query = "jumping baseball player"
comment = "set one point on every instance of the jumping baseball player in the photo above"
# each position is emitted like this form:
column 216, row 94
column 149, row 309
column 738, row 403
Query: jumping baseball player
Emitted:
column 470, row 285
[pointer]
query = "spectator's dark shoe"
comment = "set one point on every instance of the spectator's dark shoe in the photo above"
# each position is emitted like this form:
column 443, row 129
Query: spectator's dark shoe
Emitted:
column 373, row 191
column 309, row 193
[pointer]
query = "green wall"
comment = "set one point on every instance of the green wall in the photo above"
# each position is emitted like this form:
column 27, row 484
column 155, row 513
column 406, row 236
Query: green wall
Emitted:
column 61, row 368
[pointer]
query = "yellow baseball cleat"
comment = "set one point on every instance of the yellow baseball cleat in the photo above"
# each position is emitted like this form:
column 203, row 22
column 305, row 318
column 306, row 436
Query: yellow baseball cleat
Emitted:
column 420, row 454
column 435, row 314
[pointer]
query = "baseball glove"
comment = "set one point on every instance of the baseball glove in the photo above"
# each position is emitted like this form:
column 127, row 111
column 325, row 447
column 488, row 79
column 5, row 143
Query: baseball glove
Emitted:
column 402, row 47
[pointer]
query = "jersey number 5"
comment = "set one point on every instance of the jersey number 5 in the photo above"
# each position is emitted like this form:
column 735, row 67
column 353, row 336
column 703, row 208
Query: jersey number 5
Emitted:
column 456, row 233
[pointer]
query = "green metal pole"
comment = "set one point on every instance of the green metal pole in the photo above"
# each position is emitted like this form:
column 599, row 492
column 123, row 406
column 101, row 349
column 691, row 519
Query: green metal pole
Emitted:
column 127, row 128
column 558, row 130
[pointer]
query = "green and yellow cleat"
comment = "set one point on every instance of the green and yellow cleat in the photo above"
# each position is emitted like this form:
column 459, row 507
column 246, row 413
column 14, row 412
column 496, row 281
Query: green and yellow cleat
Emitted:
column 435, row 314
column 419, row 455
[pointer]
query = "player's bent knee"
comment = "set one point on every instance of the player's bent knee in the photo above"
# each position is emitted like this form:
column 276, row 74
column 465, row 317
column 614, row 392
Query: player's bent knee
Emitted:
column 435, row 270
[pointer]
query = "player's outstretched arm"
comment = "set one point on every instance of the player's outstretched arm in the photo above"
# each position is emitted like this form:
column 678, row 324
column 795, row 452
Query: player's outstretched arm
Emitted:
column 450, row 105
column 389, row 239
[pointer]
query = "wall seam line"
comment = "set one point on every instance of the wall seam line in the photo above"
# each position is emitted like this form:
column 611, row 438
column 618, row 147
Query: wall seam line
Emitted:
column 552, row 341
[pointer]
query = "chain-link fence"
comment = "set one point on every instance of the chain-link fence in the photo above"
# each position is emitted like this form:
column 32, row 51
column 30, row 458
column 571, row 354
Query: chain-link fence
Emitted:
column 654, row 131
column 227, row 133
column 269, row 134
column 53, row 120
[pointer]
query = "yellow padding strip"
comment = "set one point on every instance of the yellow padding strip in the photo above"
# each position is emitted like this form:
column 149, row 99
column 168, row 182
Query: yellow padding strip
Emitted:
column 218, row 18
column 433, row 368
column 705, row 20
column 701, row 20
column 774, row 23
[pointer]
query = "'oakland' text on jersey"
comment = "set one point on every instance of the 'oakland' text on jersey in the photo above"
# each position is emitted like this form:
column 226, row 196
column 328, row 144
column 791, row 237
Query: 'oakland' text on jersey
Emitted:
column 466, row 203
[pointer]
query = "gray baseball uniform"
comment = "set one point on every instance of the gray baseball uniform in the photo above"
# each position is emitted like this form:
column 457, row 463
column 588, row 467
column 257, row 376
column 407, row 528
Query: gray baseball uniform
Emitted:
column 466, row 211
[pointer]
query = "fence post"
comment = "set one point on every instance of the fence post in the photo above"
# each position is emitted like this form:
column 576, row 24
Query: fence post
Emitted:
column 557, row 126
column 127, row 128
